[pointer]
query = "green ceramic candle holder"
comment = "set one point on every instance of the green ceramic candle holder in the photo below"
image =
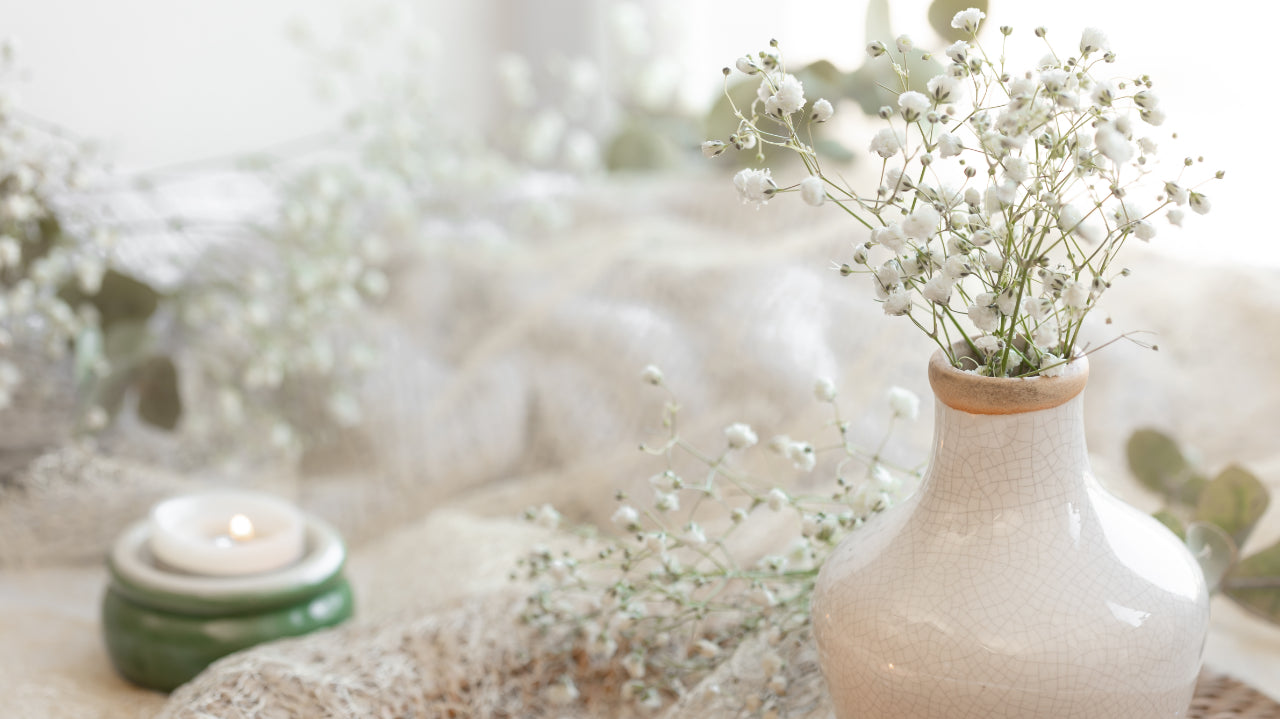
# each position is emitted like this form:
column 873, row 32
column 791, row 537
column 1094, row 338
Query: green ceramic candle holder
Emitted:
column 162, row 627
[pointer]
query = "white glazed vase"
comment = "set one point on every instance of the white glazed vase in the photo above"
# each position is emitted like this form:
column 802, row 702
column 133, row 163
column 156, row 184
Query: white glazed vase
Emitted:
column 1010, row 584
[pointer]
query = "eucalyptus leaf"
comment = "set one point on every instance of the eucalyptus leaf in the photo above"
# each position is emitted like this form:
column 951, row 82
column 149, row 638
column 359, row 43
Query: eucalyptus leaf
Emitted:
column 1171, row 521
column 876, row 84
column 1158, row 463
column 120, row 299
column 1235, row 500
column 159, row 402
column 1215, row 551
column 1255, row 584
column 942, row 11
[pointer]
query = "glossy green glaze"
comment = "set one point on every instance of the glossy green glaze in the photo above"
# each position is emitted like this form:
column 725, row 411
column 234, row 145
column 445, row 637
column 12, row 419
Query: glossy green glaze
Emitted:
column 161, row 649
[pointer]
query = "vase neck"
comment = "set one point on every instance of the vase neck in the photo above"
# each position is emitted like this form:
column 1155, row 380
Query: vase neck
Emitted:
column 1022, row 457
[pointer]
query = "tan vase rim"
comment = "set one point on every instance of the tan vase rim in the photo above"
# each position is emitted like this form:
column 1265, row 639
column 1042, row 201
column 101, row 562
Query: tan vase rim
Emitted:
column 975, row 394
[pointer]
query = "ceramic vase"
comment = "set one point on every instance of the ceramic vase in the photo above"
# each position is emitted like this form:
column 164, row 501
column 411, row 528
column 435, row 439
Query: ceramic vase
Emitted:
column 1011, row 583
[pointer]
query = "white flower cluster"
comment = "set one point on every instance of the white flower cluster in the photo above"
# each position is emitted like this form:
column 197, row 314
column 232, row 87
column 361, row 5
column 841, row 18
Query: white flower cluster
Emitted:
column 672, row 596
column 1005, row 198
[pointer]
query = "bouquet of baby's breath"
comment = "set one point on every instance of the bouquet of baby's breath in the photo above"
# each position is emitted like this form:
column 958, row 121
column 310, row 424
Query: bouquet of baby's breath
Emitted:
column 1006, row 192
column 650, row 612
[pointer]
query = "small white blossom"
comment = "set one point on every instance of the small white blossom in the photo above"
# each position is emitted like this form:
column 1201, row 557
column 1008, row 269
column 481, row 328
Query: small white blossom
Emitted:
column 958, row 51
column 802, row 456
column 822, row 110
column 740, row 436
column 695, row 535
column 788, row 98
column 713, row 148
column 813, row 190
column 651, row 374
column 892, row 237
column 913, row 104
column 666, row 502
column 875, row 49
column 983, row 313
column 885, row 143
column 627, row 517
column 921, row 224
column 1199, row 203
column 1051, row 365
column 904, row 403
column 747, row 66
column 1153, row 116
column 634, row 665
column 1076, row 295
column 988, row 344
column 1112, row 143
column 1175, row 217
column 706, row 649
column 938, row 289
column 777, row 499
column 898, row 302
column 755, row 185
column 968, row 20
column 1093, row 40
column 547, row 517
column 903, row 43
column 949, row 145
column 944, row 88
column 1144, row 230
column 824, row 389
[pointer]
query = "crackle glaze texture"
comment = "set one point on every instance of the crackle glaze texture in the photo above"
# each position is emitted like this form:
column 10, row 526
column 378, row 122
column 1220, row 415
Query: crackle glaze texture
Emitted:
column 1011, row 584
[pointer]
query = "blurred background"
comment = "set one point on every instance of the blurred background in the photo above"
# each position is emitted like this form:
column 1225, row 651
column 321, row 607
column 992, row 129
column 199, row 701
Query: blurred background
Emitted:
column 391, row 256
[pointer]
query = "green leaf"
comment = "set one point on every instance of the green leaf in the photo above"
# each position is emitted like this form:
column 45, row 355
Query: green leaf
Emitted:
column 1213, row 549
column 120, row 299
column 1158, row 463
column 1171, row 521
column 1234, row 501
column 1255, row 584
column 941, row 12
column 159, row 402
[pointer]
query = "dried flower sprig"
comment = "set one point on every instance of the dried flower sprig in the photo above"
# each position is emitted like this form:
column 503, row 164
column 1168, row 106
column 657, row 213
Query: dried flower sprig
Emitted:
column 1005, row 194
column 672, row 597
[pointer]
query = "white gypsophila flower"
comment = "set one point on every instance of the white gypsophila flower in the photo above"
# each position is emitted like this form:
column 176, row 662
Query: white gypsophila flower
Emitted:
column 892, row 237
column 957, row 267
column 944, row 89
column 968, row 20
column 1199, row 203
column 1054, row 79
column 755, row 185
column 1175, row 216
column 789, row 96
column 666, row 501
column 875, row 48
column 981, row 238
column 1007, row 301
column 10, row 252
column 1045, row 334
column 813, row 190
column 1177, row 193
column 921, row 224
column 885, row 143
column 666, row 480
column 887, row 277
column 938, row 289
column 626, row 517
column 1075, row 294
column 958, row 51
column 903, row 43
column 747, row 66
column 824, row 389
column 898, row 302
column 913, row 104
column 1146, row 99
column 1051, row 365
column 904, row 403
column 1037, row 308
column 634, row 665
column 983, row 312
column 651, row 374
column 1147, row 146
column 713, row 148
column 822, row 110
column 740, row 435
column 1153, row 116
column 1112, row 143
column 802, row 456
column 547, row 517
column 1144, row 230
column 777, row 499
column 988, row 344
column 949, row 145
column 1015, row 168
column 695, row 535
column 1093, row 40
column 706, row 649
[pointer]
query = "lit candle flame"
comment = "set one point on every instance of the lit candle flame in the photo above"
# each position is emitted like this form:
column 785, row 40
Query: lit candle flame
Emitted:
column 240, row 528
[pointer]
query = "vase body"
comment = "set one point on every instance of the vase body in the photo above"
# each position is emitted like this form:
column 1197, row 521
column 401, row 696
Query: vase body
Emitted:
column 1010, row 584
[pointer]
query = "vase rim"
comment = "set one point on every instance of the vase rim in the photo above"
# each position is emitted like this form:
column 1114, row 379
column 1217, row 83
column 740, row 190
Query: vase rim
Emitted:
column 975, row 394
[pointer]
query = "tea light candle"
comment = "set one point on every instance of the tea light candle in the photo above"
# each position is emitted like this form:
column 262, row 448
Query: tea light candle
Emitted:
column 227, row 533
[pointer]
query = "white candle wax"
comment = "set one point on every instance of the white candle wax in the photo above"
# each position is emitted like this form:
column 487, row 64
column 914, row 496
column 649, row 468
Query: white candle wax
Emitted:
column 227, row 533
